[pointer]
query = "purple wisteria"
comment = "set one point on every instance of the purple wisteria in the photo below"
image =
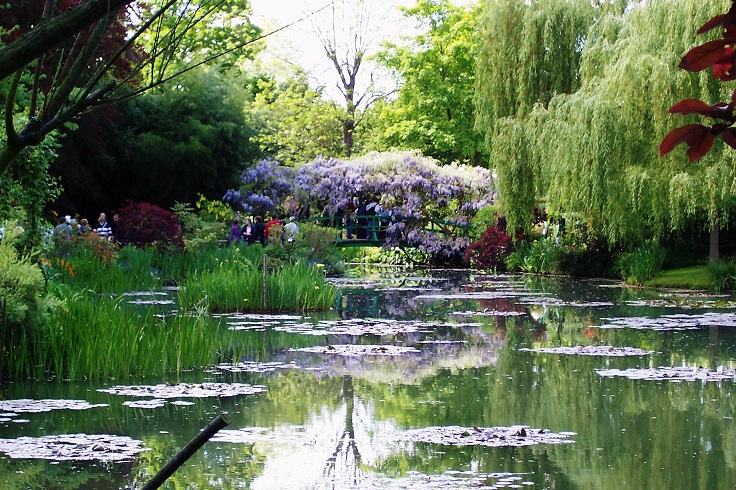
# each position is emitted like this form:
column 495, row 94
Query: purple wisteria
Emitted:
column 422, row 202
column 265, row 186
column 410, row 188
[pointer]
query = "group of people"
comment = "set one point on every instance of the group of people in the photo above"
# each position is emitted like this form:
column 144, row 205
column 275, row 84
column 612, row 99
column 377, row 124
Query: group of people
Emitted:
column 257, row 231
column 68, row 226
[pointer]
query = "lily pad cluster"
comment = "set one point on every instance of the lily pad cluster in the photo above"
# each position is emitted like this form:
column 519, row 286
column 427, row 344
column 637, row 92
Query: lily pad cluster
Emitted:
column 255, row 367
column 514, row 436
column 185, row 390
column 592, row 350
column 359, row 350
column 675, row 374
column 73, row 447
column 678, row 321
column 37, row 406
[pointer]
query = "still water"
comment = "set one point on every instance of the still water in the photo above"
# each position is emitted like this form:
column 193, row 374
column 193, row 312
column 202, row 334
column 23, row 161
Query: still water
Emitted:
column 363, row 396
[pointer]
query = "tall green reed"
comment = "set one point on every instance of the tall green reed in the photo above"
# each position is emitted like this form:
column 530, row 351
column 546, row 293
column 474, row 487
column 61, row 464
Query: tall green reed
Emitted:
column 101, row 337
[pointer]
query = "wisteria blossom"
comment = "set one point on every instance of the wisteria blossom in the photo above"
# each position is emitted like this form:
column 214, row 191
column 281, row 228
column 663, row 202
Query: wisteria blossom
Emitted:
column 413, row 189
column 265, row 186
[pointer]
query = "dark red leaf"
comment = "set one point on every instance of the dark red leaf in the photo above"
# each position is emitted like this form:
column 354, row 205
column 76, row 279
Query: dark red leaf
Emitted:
column 729, row 137
column 705, row 55
column 699, row 147
column 695, row 106
column 716, row 21
column 690, row 134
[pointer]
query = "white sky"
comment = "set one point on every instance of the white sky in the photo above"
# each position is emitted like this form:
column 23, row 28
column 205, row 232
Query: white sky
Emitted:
column 300, row 43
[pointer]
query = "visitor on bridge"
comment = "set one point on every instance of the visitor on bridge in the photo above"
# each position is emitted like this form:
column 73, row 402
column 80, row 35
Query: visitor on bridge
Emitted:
column 291, row 229
column 259, row 231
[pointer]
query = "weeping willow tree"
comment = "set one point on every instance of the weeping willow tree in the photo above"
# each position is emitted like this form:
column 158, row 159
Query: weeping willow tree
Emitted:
column 582, row 133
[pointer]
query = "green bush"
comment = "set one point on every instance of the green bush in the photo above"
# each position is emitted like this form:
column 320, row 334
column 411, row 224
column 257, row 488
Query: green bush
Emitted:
column 485, row 217
column 722, row 275
column 239, row 287
column 24, row 305
column 641, row 264
column 536, row 257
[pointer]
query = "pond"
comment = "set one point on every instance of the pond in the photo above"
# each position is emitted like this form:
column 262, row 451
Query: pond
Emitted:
column 444, row 379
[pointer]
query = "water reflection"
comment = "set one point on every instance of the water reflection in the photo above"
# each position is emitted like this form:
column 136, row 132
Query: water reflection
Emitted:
column 325, row 420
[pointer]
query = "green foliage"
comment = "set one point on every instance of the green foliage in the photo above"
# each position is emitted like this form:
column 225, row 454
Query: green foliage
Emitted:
column 574, row 104
column 641, row 264
column 401, row 256
column 24, row 305
column 294, row 123
column 204, row 226
column 485, row 217
column 238, row 286
column 722, row 275
column 314, row 245
column 434, row 109
column 27, row 187
column 536, row 257
column 98, row 337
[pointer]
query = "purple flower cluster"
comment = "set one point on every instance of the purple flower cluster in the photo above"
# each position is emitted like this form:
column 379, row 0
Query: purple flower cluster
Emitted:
column 264, row 187
column 405, row 185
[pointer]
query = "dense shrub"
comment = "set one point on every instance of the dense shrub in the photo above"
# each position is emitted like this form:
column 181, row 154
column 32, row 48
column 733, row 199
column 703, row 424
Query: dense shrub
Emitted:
column 722, row 275
column 24, row 304
column 491, row 250
column 641, row 264
column 537, row 257
column 143, row 224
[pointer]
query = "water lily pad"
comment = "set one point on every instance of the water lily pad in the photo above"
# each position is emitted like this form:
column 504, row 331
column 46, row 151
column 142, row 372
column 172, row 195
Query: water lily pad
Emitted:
column 186, row 390
column 38, row 406
column 155, row 403
column 679, row 321
column 514, row 436
column 255, row 367
column 488, row 312
column 359, row 350
column 675, row 374
column 74, row 447
column 592, row 350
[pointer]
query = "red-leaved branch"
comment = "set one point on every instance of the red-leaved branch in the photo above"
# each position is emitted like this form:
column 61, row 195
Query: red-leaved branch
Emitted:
column 720, row 55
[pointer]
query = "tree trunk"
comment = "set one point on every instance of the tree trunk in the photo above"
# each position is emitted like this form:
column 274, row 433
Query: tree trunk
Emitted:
column 713, row 252
column 48, row 34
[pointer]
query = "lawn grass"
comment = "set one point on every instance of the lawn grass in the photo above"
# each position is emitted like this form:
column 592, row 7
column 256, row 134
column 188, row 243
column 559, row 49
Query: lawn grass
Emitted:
column 695, row 277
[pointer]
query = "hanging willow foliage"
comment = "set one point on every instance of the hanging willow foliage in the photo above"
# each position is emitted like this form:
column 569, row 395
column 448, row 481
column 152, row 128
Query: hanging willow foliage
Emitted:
column 573, row 116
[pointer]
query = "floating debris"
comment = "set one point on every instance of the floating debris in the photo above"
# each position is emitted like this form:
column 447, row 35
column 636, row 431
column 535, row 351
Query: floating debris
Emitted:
column 514, row 436
column 255, row 367
column 592, row 350
column 38, row 406
column 73, row 447
column 679, row 321
column 186, row 390
column 359, row 350
column 675, row 374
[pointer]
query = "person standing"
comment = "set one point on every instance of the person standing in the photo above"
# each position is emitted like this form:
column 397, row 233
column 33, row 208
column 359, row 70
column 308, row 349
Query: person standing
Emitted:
column 62, row 237
column 248, row 232
column 291, row 229
column 102, row 228
column 234, row 235
column 259, row 230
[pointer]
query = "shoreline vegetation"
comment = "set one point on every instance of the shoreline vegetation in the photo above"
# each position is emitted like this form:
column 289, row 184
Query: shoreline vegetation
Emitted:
column 76, row 314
